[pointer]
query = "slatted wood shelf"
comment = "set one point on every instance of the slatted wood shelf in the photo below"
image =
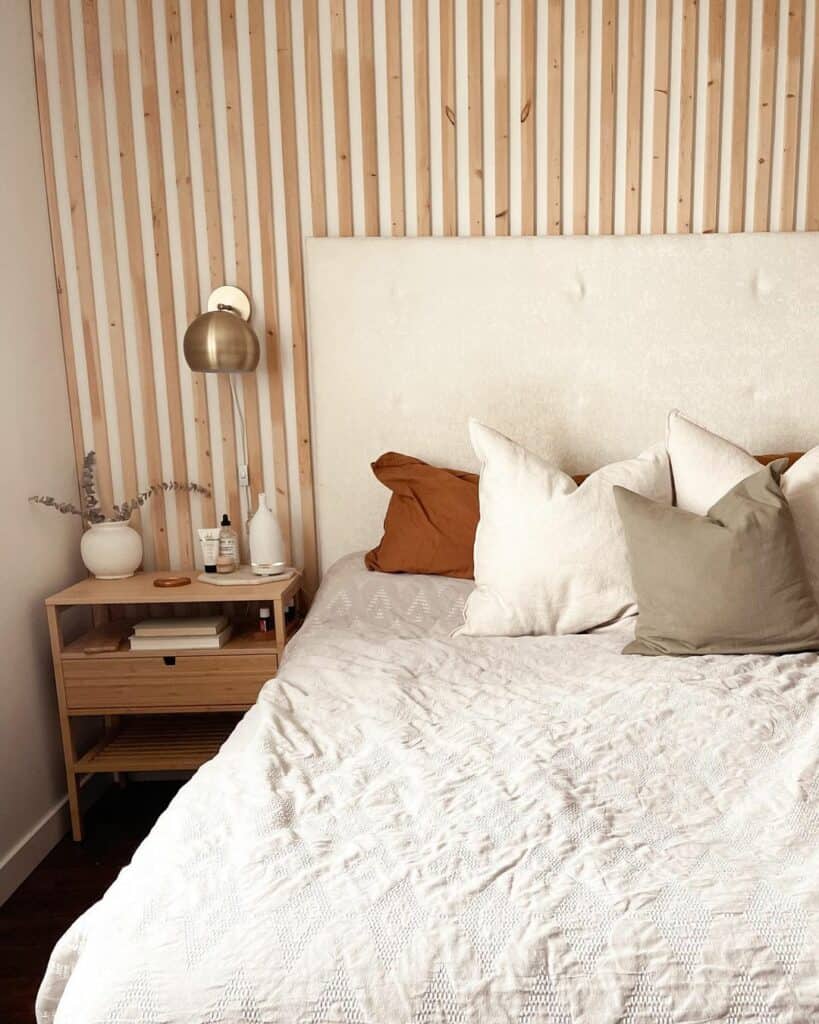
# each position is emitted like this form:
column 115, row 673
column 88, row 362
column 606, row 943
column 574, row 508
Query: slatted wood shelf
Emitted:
column 159, row 743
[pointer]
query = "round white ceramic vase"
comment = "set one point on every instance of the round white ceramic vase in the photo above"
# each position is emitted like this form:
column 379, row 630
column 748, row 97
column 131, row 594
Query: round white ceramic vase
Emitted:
column 111, row 551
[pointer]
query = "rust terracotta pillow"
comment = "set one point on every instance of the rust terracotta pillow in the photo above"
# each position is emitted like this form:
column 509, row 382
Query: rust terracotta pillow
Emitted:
column 431, row 518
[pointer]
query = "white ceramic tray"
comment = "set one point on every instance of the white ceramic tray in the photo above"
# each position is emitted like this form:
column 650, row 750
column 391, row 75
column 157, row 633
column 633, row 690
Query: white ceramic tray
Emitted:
column 244, row 576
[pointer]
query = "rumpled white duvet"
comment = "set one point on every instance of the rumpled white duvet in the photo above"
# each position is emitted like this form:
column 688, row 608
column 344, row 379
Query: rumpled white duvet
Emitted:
column 413, row 828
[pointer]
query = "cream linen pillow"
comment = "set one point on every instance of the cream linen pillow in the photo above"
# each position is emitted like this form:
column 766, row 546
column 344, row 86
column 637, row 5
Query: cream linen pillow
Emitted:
column 550, row 557
column 705, row 466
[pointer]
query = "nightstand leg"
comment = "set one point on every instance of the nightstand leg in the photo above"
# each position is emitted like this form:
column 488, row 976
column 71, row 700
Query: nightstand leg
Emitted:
column 74, row 805
column 279, row 625
column 69, row 751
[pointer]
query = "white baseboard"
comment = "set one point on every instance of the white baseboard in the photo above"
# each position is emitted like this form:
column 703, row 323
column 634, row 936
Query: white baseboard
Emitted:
column 23, row 858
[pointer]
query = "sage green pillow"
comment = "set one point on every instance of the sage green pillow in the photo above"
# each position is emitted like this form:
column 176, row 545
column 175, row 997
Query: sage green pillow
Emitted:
column 730, row 582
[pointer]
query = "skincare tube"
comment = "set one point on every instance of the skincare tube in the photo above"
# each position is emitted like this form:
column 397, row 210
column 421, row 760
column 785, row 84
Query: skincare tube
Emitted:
column 209, row 540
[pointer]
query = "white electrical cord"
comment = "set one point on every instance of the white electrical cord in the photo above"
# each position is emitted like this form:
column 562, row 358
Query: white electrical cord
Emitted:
column 240, row 414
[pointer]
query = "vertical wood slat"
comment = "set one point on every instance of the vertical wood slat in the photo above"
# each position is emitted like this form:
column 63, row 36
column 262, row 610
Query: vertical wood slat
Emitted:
column 82, row 249
column 41, row 83
column 213, row 229
column 713, row 130
column 396, row 117
column 366, row 57
column 296, row 278
column 555, row 121
column 793, row 101
column 187, row 231
column 408, row 100
column 139, row 293
column 338, row 39
column 636, row 26
column 258, row 73
column 685, row 197
column 474, row 17
column 739, row 130
column 423, row 184
column 767, row 84
column 541, row 116
column 502, row 117
column 450, row 183
column 314, row 117
column 608, row 106
column 528, row 117
column 662, row 85
column 812, row 214
column 165, row 297
column 581, row 117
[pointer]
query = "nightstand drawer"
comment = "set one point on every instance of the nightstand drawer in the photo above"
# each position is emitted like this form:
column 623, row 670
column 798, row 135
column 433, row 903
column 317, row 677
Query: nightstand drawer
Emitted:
column 181, row 683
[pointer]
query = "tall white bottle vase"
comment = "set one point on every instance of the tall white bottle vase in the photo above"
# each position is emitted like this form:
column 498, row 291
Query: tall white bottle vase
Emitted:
column 266, row 542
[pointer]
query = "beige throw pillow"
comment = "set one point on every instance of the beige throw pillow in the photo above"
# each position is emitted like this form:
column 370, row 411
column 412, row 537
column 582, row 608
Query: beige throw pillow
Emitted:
column 730, row 582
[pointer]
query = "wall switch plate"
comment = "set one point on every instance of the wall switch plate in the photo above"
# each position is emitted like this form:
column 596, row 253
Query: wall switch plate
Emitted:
column 244, row 480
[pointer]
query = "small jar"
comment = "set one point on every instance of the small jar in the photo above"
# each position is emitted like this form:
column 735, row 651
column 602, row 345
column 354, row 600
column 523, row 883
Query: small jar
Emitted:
column 225, row 563
column 265, row 621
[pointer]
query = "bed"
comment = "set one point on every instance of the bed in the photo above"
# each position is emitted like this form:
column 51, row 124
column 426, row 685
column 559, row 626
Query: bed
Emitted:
column 414, row 827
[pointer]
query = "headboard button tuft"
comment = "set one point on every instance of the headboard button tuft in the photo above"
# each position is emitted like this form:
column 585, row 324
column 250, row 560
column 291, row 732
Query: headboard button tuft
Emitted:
column 761, row 285
column 578, row 288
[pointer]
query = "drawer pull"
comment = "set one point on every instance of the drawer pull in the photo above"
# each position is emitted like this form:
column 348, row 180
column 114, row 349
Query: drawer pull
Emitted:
column 169, row 659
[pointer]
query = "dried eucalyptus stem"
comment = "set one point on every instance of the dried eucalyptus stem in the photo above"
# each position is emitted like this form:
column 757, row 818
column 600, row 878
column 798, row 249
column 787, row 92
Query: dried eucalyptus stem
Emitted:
column 65, row 507
column 119, row 513
column 88, row 486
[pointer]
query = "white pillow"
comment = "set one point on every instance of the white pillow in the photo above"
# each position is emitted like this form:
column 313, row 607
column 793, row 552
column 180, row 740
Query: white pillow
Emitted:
column 704, row 466
column 550, row 557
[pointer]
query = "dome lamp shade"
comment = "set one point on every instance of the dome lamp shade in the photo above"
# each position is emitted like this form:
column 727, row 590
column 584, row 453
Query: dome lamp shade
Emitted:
column 221, row 340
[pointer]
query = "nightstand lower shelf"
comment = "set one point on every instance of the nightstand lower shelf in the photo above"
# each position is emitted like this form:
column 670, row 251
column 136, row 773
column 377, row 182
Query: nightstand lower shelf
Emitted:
column 158, row 743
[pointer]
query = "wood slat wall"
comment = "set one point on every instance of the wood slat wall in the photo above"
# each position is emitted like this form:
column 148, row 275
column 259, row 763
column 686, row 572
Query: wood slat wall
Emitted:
column 190, row 143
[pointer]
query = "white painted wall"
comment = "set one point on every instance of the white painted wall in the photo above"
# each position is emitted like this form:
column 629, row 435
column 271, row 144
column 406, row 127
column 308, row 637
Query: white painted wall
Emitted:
column 40, row 549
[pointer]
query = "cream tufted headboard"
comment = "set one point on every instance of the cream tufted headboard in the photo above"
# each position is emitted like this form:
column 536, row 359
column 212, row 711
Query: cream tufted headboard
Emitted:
column 577, row 347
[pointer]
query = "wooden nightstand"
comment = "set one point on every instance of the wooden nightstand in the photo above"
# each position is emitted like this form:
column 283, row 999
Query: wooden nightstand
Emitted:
column 166, row 711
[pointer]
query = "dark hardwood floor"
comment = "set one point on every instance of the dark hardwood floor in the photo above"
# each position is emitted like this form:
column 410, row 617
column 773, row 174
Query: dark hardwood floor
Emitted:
column 69, row 880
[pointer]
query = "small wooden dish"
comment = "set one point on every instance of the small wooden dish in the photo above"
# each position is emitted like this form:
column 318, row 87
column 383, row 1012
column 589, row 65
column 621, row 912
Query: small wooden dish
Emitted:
column 172, row 581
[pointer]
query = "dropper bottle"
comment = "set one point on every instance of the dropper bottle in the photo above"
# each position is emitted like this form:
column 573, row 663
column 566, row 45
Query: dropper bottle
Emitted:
column 228, row 545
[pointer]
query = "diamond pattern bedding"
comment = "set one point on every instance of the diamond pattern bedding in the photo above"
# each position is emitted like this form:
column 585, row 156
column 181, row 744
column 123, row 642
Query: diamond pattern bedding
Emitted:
column 413, row 828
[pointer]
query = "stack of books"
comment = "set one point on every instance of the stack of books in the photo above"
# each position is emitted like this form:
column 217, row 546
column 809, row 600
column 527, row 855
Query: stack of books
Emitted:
column 193, row 634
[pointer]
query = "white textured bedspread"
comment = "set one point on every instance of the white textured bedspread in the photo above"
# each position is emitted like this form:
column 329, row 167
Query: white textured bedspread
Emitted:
column 413, row 828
